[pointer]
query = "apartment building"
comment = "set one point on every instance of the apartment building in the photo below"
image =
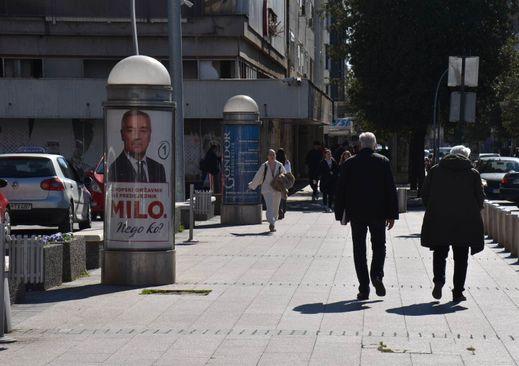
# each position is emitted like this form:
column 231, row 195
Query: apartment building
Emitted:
column 56, row 56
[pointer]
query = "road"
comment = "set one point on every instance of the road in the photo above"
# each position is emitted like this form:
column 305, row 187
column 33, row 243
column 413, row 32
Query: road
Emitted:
column 42, row 230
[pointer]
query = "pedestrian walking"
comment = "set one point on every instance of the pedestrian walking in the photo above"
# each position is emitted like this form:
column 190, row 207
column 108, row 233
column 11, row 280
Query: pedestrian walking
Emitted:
column 453, row 196
column 328, row 179
column 366, row 197
column 282, row 158
column 264, row 177
column 344, row 156
column 313, row 161
column 210, row 167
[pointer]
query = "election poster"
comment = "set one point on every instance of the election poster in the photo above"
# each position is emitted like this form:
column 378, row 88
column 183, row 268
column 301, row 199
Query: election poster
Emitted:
column 138, row 214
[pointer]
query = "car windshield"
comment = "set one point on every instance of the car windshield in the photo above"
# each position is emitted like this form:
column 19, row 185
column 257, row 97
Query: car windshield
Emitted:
column 498, row 166
column 100, row 168
column 26, row 167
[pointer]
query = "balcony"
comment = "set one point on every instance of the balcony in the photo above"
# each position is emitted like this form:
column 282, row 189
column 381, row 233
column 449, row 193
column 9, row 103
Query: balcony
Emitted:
column 289, row 99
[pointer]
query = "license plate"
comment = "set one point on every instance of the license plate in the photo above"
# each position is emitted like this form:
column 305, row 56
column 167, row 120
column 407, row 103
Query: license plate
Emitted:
column 20, row 206
column 495, row 190
column 515, row 181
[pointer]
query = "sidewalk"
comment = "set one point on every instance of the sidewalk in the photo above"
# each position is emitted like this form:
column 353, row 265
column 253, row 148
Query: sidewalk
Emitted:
column 281, row 299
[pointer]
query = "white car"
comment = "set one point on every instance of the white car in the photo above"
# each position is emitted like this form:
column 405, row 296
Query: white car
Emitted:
column 44, row 189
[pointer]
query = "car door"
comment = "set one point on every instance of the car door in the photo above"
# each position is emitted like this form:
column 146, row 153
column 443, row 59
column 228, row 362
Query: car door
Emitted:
column 71, row 185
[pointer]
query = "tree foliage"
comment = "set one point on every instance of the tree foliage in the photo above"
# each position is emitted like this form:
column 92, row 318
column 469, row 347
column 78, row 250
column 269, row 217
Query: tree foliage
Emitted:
column 398, row 49
column 507, row 88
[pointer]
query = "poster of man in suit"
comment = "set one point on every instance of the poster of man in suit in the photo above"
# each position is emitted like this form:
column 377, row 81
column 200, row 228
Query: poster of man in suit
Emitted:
column 138, row 178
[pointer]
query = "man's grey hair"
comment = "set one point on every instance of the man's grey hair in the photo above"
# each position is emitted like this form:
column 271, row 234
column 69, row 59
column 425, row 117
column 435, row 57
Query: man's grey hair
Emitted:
column 368, row 140
column 461, row 150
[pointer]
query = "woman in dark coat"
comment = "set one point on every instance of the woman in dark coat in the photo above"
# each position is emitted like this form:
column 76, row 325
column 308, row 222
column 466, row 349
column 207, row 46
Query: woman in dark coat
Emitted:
column 328, row 170
column 453, row 197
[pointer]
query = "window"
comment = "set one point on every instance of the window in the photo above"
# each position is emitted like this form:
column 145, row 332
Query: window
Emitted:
column 66, row 169
column 216, row 69
column 190, row 69
column 219, row 7
column 22, row 68
column 98, row 68
column 22, row 167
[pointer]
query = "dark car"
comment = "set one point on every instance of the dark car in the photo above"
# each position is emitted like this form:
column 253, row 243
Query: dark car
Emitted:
column 509, row 187
column 96, row 187
column 493, row 170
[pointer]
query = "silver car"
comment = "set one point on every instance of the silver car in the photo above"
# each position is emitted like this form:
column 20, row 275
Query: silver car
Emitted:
column 44, row 189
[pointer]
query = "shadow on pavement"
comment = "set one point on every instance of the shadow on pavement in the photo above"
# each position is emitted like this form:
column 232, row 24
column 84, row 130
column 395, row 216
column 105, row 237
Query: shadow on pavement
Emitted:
column 73, row 293
column 410, row 236
column 427, row 308
column 265, row 233
column 305, row 206
column 336, row 307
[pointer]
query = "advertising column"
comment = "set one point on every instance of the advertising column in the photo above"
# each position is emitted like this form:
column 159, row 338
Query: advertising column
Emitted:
column 240, row 160
column 139, row 175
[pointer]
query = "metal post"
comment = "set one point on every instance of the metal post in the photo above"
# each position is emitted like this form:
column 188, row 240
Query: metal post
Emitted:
column 462, row 102
column 134, row 28
column 191, row 213
column 436, row 125
column 3, row 307
column 175, row 70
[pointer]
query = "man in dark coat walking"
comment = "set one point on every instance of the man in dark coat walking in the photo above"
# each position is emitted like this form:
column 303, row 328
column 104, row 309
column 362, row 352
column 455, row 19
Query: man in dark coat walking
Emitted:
column 366, row 196
column 313, row 160
column 453, row 196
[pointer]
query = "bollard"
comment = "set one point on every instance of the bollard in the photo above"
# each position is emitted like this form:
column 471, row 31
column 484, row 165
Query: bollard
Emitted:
column 5, row 306
column 515, row 244
column 191, row 213
column 514, row 217
column 402, row 193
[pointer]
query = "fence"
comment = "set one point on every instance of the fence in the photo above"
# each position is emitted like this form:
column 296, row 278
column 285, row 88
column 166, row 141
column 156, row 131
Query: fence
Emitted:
column 25, row 258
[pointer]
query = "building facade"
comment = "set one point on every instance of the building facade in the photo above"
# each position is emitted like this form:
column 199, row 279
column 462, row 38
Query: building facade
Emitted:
column 56, row 56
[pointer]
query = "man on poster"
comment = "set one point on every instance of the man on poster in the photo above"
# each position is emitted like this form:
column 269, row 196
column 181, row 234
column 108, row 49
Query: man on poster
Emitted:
column 132, row 165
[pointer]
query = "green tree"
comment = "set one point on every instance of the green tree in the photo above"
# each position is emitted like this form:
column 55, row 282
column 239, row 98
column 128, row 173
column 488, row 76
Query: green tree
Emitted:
column 398, row 49
column 507, row 88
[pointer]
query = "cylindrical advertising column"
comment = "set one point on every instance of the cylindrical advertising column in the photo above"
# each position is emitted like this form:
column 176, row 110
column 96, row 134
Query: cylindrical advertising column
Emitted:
column 240, row 161
column 139, row 175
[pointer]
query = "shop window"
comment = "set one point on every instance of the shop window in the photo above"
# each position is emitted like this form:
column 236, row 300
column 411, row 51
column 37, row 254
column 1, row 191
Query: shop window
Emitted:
column 216, row 69
column 22, row 68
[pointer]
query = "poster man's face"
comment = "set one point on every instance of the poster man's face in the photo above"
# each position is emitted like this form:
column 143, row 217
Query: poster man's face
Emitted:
column 136, row 134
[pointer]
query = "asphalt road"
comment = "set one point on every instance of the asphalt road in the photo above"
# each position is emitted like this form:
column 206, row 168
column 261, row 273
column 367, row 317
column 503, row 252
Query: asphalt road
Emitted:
column 42, row 230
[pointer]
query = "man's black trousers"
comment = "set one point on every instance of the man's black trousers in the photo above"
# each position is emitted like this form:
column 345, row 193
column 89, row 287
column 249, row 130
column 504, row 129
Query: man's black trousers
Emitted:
column 377, row 230
column 461, row 255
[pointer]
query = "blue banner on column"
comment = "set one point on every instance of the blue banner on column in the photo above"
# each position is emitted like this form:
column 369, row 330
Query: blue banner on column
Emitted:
column 241, row 144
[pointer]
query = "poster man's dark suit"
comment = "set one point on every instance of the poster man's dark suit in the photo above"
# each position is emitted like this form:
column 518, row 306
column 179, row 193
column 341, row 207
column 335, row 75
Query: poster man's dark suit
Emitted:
column 122, row 170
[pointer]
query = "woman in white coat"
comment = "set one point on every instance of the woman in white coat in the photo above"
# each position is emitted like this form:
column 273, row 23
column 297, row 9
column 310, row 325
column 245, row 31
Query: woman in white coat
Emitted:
column 264, row 177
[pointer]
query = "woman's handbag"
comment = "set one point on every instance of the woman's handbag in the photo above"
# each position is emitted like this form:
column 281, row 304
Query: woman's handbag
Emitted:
column 278, row 183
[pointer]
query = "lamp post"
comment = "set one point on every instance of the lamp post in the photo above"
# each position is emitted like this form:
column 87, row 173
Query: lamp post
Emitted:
column 436, row 125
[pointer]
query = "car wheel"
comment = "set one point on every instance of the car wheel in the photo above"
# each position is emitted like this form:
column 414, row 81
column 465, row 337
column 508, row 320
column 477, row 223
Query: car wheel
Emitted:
column 7, row 222
column 67, row 225
column 87, row 224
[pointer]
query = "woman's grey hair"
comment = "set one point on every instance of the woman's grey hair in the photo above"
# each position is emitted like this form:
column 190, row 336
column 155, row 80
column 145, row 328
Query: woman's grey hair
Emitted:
column 368, row 140
column 461, row 150
column 271, row 151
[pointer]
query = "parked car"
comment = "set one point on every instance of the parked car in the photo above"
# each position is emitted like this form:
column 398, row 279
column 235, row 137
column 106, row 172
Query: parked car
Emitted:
column 493, row 170
column 96, row 187
column 5, row 216
column 488, row 155
column 44, row 189
column 509, row 187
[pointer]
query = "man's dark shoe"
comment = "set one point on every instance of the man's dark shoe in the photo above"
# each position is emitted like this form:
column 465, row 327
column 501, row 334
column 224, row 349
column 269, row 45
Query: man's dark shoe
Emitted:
column 379, row 287
column 458, row 297
column 363, row 296
column 437, row 291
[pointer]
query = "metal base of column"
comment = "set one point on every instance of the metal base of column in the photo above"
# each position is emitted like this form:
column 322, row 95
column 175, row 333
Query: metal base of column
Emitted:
column 139, row 268
column 241, row 214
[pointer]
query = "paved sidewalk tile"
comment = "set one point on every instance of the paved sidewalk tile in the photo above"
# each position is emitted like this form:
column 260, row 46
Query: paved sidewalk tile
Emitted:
column 287, row 298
